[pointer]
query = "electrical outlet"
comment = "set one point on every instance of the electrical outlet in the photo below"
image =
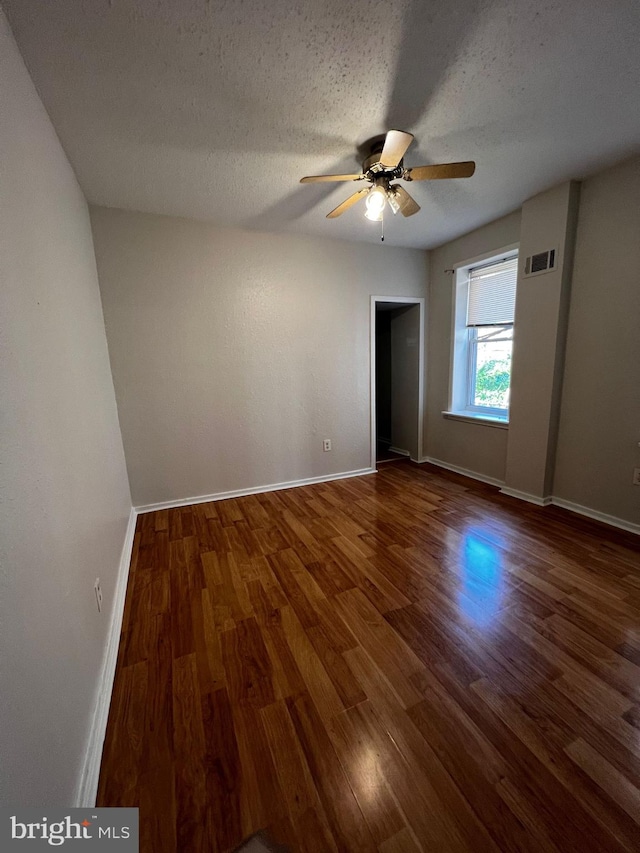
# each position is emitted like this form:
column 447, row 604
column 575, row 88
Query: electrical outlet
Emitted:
column 636, row 477
column 326, row 444
column 98, row 591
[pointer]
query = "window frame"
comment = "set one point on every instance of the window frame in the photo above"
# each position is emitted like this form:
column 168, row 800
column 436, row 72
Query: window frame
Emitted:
column 461, row 377
column 472, row 372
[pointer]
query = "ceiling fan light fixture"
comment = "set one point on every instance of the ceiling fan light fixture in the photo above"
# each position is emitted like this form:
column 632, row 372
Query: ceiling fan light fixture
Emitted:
column 393, row 201
column 374, row 216
column 375, row 202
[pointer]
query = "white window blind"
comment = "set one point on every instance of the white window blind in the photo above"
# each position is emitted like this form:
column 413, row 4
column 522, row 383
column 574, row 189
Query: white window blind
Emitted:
column 492, row 294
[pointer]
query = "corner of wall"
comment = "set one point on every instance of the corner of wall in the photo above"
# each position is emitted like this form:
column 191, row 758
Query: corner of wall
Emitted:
column 90, row 773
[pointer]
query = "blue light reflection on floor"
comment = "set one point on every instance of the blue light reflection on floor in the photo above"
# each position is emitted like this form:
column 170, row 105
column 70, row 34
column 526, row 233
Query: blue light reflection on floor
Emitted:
column 480, row 596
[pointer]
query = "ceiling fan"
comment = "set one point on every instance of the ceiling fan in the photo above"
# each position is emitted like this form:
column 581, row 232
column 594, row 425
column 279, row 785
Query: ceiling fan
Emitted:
column 383, row 165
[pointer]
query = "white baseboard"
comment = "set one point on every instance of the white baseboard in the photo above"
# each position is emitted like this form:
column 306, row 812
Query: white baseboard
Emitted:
column 399, row 450
column 612, row 520
column 256, row 490
column 474, row 475
column 88, row 786
column 629, row 526
column 525, row 496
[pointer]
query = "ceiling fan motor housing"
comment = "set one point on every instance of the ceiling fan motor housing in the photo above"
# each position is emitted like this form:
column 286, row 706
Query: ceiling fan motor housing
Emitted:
column 372, row 164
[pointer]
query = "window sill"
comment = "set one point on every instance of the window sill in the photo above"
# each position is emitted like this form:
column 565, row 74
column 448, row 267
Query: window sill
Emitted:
column 485, row 420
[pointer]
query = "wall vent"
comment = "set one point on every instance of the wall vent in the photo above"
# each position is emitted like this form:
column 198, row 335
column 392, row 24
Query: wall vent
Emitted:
column 540, row 263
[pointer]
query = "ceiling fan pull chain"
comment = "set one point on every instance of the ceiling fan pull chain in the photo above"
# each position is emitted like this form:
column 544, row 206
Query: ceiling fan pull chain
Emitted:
column 382, row 228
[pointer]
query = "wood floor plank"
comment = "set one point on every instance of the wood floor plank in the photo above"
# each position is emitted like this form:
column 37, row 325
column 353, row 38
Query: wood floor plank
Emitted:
column 286, row 677
column 222, row 768
column 604, row 662
column 394, row 660
column 609, row 826
column 303, row 803
column 188, row 738
column 181, row 615
column 378, row 589
column 156, row 785
column 404, row 662
column 401, row 842
column 261, row 798
column 478, row 770
column 175, row 517
column 285, row 565
column 619, row 788
column 316, row 679
column 364, row 767
column 129, row 720
column 337, row 668
column 205, row 642
column 247, row 665
column 346, row 820
column 433, row 805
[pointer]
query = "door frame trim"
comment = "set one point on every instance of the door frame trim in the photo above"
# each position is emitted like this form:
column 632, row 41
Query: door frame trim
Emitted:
column 401, row 300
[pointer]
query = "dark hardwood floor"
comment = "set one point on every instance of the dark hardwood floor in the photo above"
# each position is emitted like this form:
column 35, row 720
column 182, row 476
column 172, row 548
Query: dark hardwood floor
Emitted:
column 399, row 662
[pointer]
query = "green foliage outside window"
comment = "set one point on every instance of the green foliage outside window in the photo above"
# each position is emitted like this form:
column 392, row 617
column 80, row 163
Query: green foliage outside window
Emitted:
column 492, row 383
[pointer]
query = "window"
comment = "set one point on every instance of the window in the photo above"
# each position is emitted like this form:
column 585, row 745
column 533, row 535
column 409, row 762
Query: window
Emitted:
column 483, row 338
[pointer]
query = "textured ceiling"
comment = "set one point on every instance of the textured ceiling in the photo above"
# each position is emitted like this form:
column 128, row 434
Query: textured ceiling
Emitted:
column 214, row 110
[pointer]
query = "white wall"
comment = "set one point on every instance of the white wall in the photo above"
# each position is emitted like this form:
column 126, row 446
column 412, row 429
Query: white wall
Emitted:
column 64, row 495
column 600, row 413
column 548, row 222
column 235, row 353
column 475, row 447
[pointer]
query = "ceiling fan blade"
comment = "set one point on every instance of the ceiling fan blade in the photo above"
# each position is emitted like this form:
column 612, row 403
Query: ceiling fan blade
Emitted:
column 395, row 146
column 340, row 209
column 408, row 205
column 444, row 170
column 312, row 179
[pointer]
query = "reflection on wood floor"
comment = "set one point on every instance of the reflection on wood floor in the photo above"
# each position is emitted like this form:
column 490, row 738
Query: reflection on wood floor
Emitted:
column 398, row 662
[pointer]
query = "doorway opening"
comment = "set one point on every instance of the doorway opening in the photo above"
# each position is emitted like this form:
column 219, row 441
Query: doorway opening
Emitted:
column 397, row 378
